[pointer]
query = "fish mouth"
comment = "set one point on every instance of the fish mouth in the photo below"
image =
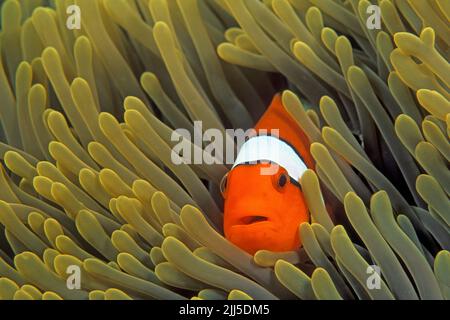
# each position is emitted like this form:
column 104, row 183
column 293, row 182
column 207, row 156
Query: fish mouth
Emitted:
column 253, row 219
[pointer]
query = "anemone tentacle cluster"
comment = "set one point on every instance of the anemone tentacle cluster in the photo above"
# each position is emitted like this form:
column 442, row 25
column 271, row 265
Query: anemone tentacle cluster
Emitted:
column 87, row 116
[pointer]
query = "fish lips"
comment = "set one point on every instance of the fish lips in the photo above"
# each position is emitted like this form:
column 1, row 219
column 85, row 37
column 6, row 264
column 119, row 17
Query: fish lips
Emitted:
column 251, row 221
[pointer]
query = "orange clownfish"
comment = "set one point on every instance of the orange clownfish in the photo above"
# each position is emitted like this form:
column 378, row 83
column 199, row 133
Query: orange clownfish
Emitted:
column 263, row 208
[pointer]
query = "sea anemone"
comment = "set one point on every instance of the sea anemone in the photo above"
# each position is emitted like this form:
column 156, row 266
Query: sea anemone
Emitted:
column 87, row 121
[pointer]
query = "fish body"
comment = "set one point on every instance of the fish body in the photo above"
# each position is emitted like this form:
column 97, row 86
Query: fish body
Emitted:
column 264, row 203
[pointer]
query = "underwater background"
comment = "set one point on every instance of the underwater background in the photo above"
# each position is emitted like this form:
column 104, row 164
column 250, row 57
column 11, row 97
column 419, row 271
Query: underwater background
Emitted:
column 87, row 115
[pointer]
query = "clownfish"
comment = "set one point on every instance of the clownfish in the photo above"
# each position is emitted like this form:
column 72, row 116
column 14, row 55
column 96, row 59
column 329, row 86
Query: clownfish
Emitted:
column 263, row 208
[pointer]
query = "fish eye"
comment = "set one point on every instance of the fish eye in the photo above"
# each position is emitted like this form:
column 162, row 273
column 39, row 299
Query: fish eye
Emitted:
column 282, row 180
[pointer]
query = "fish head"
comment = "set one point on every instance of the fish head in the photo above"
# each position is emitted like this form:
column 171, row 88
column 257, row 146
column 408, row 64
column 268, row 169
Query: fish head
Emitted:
column 263, row 211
